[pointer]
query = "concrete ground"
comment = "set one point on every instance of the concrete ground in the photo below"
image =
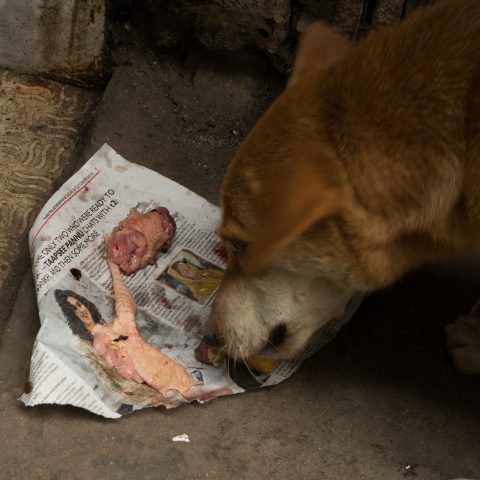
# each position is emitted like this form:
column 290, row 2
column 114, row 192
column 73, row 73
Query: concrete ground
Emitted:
column 382, row 401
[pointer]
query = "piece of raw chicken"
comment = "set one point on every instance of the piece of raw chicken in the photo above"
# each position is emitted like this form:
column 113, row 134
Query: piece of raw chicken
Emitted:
column 211, row 354
column 208, row 353
column 138, row 239
column 124, row 350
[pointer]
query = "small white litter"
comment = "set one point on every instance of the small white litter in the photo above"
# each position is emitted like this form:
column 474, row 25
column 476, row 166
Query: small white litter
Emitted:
column 181, row 438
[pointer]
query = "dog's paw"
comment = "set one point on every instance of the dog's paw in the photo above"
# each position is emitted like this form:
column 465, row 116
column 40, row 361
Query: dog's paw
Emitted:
column 463, row 342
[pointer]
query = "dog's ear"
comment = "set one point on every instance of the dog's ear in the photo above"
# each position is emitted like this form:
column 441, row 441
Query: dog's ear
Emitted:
column 320, row 46
column 293, row 197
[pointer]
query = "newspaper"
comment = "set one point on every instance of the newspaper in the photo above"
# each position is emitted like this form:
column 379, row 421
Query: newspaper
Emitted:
column 67, row 249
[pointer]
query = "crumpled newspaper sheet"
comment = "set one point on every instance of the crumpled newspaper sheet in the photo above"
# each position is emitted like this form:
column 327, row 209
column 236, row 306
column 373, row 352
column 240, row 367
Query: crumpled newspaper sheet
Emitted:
column 67, row 249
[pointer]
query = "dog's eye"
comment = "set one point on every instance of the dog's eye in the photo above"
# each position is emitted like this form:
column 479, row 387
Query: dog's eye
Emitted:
column 238, row 246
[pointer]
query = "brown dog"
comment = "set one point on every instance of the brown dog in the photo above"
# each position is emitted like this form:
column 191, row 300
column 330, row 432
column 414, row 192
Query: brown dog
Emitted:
column 367, row 166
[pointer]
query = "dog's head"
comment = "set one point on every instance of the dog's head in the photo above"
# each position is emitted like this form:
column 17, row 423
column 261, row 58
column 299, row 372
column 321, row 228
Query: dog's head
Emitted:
column 283, row 196
column 282, row 201
column 288, row 262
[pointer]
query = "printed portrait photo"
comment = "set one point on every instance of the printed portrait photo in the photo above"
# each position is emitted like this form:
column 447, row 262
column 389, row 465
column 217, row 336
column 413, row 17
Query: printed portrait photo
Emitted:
column 192, row 276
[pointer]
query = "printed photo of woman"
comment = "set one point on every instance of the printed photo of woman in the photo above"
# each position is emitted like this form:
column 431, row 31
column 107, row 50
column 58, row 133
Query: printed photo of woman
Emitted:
column 192, row 276
column 80, row 313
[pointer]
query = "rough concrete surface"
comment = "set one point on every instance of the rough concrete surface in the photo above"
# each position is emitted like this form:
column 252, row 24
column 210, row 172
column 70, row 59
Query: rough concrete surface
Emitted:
column 40, row 125
column 183, row 118
column 382, row 401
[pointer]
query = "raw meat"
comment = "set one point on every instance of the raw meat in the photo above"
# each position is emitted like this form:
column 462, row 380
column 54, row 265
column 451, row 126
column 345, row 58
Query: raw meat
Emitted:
column 215, row 356
column 138, row 239
column 125, row 351
column 209, row 354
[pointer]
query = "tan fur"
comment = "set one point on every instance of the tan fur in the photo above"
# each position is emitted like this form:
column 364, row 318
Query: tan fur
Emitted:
column 320, row 46
column 363, row 169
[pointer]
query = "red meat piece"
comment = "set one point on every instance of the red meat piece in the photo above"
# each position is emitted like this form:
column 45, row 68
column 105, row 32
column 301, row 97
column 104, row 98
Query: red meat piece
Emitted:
column 138, row 239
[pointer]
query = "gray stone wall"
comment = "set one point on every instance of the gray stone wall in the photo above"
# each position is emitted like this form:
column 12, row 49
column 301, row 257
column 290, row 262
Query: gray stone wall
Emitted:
column 271, row 25
column 66, row 38
column 59, row 38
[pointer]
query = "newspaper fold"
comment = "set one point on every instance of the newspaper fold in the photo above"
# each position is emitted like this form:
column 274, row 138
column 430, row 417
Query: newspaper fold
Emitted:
column 69, row 268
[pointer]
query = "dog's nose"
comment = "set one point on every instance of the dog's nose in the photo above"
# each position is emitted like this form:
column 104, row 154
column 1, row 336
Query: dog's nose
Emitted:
column 277, row 335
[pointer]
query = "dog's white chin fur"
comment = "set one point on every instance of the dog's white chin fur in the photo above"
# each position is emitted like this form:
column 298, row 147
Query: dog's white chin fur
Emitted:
column 246, row 311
